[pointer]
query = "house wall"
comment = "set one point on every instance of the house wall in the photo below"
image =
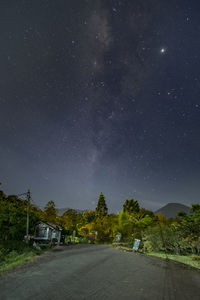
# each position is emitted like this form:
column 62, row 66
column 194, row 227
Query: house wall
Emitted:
column 45, row 232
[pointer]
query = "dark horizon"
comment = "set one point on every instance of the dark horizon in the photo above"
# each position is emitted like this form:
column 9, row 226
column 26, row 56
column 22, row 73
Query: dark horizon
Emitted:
column 100, row 96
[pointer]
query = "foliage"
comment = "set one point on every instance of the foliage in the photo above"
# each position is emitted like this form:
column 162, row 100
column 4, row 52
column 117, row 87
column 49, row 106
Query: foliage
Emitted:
column 13, row 218
column 145, row 212
column 70, row 220
column 14, row 259
column 144, row 222
column 192, row 261
column 160, row 238
column 195, row 208
column 156, row 232
column 88, row 216
column 101, row 209
column 50, row 211
column 179, row 235
column 125, row 227
column 83, row 231
column 131, row 206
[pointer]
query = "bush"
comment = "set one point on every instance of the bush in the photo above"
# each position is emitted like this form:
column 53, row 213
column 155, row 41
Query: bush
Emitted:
column 11, row 256
column 128, row 241
column 83, row 240
column 3, row 253
column 19, row 246
column 196, row 258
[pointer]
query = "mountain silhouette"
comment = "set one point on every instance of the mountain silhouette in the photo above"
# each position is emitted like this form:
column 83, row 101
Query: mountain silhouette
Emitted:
column 171, row 209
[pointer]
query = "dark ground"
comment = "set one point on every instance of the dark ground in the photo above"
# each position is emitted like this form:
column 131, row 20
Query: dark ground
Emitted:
column 100, row 272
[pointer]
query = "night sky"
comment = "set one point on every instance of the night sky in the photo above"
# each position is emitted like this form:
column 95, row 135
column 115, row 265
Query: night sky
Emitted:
column 100, row 96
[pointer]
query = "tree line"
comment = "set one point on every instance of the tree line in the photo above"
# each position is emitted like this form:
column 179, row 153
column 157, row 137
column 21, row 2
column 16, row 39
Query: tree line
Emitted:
column 157, row 233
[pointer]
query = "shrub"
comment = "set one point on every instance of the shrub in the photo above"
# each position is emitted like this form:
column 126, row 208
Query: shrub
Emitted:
column 12, row 255
column 19, row 246
column 3, row 253
column 83, row 240
column 196, row 258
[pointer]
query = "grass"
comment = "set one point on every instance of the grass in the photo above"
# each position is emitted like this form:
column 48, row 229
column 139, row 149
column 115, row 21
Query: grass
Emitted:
column 123, row 246
column 191, row 260
column 14, row 259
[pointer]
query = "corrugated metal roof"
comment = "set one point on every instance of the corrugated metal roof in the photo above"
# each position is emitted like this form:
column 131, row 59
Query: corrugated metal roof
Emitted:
column 52, row 225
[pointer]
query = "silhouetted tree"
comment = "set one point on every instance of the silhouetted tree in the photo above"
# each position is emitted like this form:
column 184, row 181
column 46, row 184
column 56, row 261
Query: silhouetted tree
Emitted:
column 131, row 206
column 71, row 217
column 13, row 218
column 101, row 208
column 50, row 211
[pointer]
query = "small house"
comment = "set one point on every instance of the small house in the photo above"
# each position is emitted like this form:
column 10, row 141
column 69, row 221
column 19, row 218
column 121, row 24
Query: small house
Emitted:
column 46, row 232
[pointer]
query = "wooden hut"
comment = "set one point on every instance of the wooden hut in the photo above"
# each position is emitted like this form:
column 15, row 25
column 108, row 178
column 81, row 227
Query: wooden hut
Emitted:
column 46, row 232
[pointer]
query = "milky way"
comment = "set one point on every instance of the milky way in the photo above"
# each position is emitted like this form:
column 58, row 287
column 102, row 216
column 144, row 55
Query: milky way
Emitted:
column 100, row 96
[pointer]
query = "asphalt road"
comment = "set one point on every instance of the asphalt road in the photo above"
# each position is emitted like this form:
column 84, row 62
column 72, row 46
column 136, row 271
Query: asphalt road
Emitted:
column 100, row 272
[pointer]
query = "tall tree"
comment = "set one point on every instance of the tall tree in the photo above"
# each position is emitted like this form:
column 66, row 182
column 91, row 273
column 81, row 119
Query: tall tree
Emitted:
column 71, row 217
column 13, row 218
column 125, row 225
column 101, row 208
column 50, row 211
column 131, row 206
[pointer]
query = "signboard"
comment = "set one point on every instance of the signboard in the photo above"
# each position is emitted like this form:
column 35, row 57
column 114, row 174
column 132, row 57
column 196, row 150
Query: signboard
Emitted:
column 136, row 245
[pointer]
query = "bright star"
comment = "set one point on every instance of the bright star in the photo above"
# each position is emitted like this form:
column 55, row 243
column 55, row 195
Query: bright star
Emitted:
column 162, row 50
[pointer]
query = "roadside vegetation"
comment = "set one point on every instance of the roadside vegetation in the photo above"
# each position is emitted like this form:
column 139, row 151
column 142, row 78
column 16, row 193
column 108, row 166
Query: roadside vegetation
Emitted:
column 177, row 238
column 13, row 248
column 14, row 258
column 191, row 260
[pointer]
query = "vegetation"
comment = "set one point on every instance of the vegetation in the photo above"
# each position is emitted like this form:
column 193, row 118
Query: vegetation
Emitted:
column 50, row 211
column 191, row 260
column 101, row 209
column 131, row 206
column 176, row 237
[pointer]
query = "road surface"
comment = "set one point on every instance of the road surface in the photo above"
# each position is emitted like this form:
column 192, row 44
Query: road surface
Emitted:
column 100, row 272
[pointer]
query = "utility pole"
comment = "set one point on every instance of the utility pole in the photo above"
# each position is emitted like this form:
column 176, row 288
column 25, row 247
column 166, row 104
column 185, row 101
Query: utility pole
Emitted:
column 28, row 195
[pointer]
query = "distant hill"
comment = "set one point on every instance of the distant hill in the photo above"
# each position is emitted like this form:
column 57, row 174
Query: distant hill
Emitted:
column 61, row 211
column 171, row 209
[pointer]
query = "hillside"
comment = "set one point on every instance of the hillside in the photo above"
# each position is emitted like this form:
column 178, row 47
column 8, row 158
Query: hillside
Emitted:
column 61, row 211
column 171, row 209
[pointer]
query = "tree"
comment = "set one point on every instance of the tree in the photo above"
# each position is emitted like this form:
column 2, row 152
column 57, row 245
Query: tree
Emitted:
column 195, row 208
column 88, row 216
column 125, row 226
column 101, row 208
column 131, row 206
column 50, row 211
column 144, row 222
column 70, row 217
column 181, row 214
column 13, row 214
column 145, row 212
column 2, row 195
column 105, row 227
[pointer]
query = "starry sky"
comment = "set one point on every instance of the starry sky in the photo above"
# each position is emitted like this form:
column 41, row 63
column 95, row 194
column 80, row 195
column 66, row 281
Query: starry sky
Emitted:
column 100, row 96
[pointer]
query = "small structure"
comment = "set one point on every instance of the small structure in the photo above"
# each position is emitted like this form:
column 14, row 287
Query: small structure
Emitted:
column 136, row 245
column 46, row 232
column 118, row 237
